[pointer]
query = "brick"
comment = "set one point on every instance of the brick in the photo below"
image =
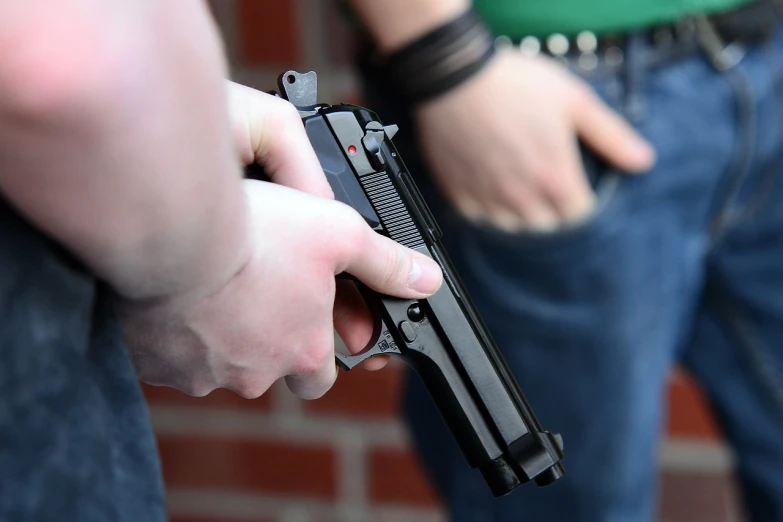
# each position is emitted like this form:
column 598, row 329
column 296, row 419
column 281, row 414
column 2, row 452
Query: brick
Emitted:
column 268, row 33
column 362, row 393
column 397, row 478
column 251, row 466
column 219, row 398
column 689, row 413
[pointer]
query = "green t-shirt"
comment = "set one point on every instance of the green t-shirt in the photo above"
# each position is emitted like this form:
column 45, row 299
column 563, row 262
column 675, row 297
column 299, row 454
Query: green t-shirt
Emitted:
column 519, row 18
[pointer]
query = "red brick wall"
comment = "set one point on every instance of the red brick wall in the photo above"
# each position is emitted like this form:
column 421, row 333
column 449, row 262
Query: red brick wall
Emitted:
column 279, row 458
column 345, row 457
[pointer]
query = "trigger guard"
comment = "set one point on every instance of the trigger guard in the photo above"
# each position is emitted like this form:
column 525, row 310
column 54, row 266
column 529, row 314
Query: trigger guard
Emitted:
column 384, row 346
column 381, row 341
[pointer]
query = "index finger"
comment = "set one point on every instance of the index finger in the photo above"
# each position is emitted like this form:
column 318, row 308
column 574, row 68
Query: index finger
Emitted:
column 279, row 142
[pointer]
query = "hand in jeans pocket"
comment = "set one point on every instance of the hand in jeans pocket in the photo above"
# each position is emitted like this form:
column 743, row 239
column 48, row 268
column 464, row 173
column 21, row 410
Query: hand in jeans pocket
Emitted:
column 504, row 147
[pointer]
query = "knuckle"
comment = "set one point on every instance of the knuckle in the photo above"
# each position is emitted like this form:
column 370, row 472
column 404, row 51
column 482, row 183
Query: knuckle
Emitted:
column 283, row 107
column 353, row 222
column 318, row 353
column 196, row 390
column 308, row 365
column 554, row 183
column 289, row 113
column 273, row 128
column 323, row 354
column 511, row 193
column 248, row 389
column 470, row 208
column 542, row 172
column 513, row 206
column 284, row 117
column 352, row 230
column 193, row 385
column 511, row 186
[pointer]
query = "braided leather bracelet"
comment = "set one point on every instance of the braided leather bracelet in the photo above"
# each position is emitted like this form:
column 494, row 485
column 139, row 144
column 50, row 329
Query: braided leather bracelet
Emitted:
column 442, row 59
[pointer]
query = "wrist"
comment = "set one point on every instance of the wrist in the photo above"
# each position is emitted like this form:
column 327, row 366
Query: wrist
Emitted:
column 395, row 23
column 194, row 286
column 442, row 59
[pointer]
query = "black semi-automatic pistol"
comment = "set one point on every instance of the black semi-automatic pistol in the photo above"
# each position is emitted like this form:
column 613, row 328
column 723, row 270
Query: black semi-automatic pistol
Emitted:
column 442, row 337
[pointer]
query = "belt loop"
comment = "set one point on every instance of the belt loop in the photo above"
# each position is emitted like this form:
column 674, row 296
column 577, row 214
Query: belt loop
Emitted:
column 635, row 72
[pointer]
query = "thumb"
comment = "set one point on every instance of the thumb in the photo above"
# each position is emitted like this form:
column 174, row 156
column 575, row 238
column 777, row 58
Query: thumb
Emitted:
column 610, row 135
column 390, row 268
column 275, row 135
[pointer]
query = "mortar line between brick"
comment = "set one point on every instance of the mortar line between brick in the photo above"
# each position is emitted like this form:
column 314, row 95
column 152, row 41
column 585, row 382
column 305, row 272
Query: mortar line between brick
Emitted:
column 678, row 454
column 241, row 506
column 219, row 423
column 353, row 477
column 296, row 513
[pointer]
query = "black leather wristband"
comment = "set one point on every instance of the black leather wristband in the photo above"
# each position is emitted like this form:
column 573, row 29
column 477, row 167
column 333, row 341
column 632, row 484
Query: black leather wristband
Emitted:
column 442, row 59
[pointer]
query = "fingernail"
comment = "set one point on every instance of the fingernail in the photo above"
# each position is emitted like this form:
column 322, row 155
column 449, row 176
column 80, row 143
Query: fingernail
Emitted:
column 425, row 276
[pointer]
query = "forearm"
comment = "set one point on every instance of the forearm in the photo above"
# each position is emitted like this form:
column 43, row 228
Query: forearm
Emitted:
column 394, row 23
column 115, row 139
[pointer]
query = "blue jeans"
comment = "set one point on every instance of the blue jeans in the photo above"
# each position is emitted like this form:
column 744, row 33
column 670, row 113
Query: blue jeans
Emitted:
column 681, row 266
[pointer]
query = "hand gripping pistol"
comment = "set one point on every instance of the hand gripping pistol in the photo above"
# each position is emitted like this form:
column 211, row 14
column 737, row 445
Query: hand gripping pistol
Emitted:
column 442, row 337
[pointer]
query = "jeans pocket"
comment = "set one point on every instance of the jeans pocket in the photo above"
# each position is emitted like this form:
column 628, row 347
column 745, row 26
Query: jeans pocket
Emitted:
column 606, row 183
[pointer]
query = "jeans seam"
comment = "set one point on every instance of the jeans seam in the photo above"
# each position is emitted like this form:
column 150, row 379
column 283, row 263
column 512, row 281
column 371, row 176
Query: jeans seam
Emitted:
column 762, row 193
column 737, row 172
column 756, row 352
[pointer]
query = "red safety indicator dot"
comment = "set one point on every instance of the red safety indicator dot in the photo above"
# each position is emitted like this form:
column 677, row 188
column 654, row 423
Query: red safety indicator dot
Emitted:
column 351, row 149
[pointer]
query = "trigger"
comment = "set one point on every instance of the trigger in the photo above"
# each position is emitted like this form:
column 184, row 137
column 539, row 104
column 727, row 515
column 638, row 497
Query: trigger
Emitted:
column 385, row 346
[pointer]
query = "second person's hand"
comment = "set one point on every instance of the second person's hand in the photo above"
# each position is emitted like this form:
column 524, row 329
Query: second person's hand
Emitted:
column 503, row 147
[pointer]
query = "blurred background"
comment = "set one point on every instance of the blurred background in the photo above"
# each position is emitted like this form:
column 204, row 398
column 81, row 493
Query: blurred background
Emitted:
column 346, row 457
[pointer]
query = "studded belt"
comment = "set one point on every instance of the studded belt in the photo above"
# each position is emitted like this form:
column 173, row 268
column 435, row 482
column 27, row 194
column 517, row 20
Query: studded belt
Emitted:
column 723, row 36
